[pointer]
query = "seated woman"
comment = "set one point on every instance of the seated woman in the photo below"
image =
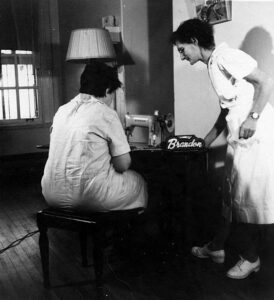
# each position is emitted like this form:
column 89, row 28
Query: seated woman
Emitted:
column 88, row 165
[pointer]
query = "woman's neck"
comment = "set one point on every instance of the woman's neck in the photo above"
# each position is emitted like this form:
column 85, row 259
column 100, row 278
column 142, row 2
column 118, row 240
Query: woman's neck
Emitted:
column 84, row 96
column 206, row 54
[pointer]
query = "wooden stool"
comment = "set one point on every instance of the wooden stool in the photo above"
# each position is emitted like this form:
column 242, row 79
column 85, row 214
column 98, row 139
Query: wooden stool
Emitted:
column 95, row 224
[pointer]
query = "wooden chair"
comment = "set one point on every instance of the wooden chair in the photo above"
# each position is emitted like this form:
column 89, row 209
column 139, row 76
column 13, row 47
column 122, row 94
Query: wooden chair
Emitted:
column 95, row 224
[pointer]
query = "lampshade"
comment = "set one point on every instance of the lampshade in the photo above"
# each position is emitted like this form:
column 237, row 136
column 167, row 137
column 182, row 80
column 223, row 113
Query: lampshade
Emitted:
column 90, row 43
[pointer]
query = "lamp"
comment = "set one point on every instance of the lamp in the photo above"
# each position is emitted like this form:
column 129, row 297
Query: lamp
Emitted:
column 90, row 43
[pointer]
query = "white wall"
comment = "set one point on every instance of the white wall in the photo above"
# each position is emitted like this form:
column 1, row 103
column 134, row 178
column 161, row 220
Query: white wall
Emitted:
column 251, row 29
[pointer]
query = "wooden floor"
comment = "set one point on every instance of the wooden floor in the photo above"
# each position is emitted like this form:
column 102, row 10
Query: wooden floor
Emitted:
column 161, row 272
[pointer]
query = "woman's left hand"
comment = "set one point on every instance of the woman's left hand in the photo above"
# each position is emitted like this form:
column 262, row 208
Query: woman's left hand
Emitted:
column 248, row 128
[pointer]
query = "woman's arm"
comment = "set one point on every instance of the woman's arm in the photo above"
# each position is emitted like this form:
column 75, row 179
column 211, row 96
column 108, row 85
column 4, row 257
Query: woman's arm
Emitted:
column 263, row 86
column 218, row 127
column 121, row 163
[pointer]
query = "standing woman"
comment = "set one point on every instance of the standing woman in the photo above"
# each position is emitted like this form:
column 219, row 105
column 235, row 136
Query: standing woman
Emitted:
column 244, row 92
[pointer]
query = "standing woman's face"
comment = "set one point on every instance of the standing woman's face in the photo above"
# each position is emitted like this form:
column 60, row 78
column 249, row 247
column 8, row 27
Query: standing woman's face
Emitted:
column 190, row 52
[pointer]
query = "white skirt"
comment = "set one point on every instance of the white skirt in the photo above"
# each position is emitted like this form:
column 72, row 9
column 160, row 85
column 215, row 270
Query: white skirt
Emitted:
column 107, row 191
column 249, row 181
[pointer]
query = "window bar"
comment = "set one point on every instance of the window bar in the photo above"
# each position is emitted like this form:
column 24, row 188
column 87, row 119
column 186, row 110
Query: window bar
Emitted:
column 6, row 110
column 8, row 102
column 34, row 72
column 34, row 91
column 28, row 84
column 17, row 85
column 36, row 102
column 3, row 105
column 2, row 91
column 29, row 106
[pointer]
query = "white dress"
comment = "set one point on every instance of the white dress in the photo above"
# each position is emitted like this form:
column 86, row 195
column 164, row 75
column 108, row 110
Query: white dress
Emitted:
column 78, row 174
column 250, row 162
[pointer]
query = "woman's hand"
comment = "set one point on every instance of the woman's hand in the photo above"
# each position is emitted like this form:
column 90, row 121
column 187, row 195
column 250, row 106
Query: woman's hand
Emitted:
column 218, row 127
column 263, row 87
column 247, row 128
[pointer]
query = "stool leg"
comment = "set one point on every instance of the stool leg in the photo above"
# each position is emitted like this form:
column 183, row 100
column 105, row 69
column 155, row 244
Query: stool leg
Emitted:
column 83, row 243
column 44, row 251
column 98, row 256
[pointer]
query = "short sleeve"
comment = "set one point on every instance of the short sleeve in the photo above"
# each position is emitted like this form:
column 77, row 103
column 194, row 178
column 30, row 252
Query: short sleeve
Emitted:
column 237, row 63
column 118, row 143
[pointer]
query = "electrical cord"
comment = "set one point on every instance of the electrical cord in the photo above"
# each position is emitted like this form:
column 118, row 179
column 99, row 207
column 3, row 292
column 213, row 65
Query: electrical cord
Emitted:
column 18, row 241
column 120, row 280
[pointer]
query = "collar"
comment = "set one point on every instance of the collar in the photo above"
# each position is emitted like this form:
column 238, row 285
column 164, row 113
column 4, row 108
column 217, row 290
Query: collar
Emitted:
column 85, row 99
column 217, row 50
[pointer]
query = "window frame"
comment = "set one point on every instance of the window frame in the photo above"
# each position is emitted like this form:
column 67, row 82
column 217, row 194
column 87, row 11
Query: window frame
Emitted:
column 48, row 69
column 15, row 56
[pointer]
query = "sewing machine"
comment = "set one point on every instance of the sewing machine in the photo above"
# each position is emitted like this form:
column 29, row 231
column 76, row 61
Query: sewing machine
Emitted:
column 158, row 126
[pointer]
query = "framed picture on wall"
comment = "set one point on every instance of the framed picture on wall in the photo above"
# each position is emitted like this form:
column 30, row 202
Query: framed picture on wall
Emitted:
column 213, row 11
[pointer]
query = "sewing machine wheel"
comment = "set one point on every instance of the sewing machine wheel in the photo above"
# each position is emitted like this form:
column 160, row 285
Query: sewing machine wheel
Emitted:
column 169, row 123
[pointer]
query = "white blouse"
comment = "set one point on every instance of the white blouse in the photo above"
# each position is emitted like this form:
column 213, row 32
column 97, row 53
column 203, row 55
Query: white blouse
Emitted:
column 79, row 174
column 227, row 68
column 250, row 179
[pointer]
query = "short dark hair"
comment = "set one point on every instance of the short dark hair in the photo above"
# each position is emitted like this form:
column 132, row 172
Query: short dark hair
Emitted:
column 98, row 79
column 194, row 28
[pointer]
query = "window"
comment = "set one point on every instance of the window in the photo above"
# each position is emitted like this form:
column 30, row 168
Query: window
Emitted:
column 18, row 87
column 30, row 64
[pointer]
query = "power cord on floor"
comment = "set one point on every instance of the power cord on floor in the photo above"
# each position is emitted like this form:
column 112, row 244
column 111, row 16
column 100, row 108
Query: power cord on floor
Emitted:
column 18, row 241
column 119, row 279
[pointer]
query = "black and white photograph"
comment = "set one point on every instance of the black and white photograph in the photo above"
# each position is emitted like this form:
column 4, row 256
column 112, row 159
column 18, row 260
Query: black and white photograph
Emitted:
column 136, row 150
column 213, row 11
